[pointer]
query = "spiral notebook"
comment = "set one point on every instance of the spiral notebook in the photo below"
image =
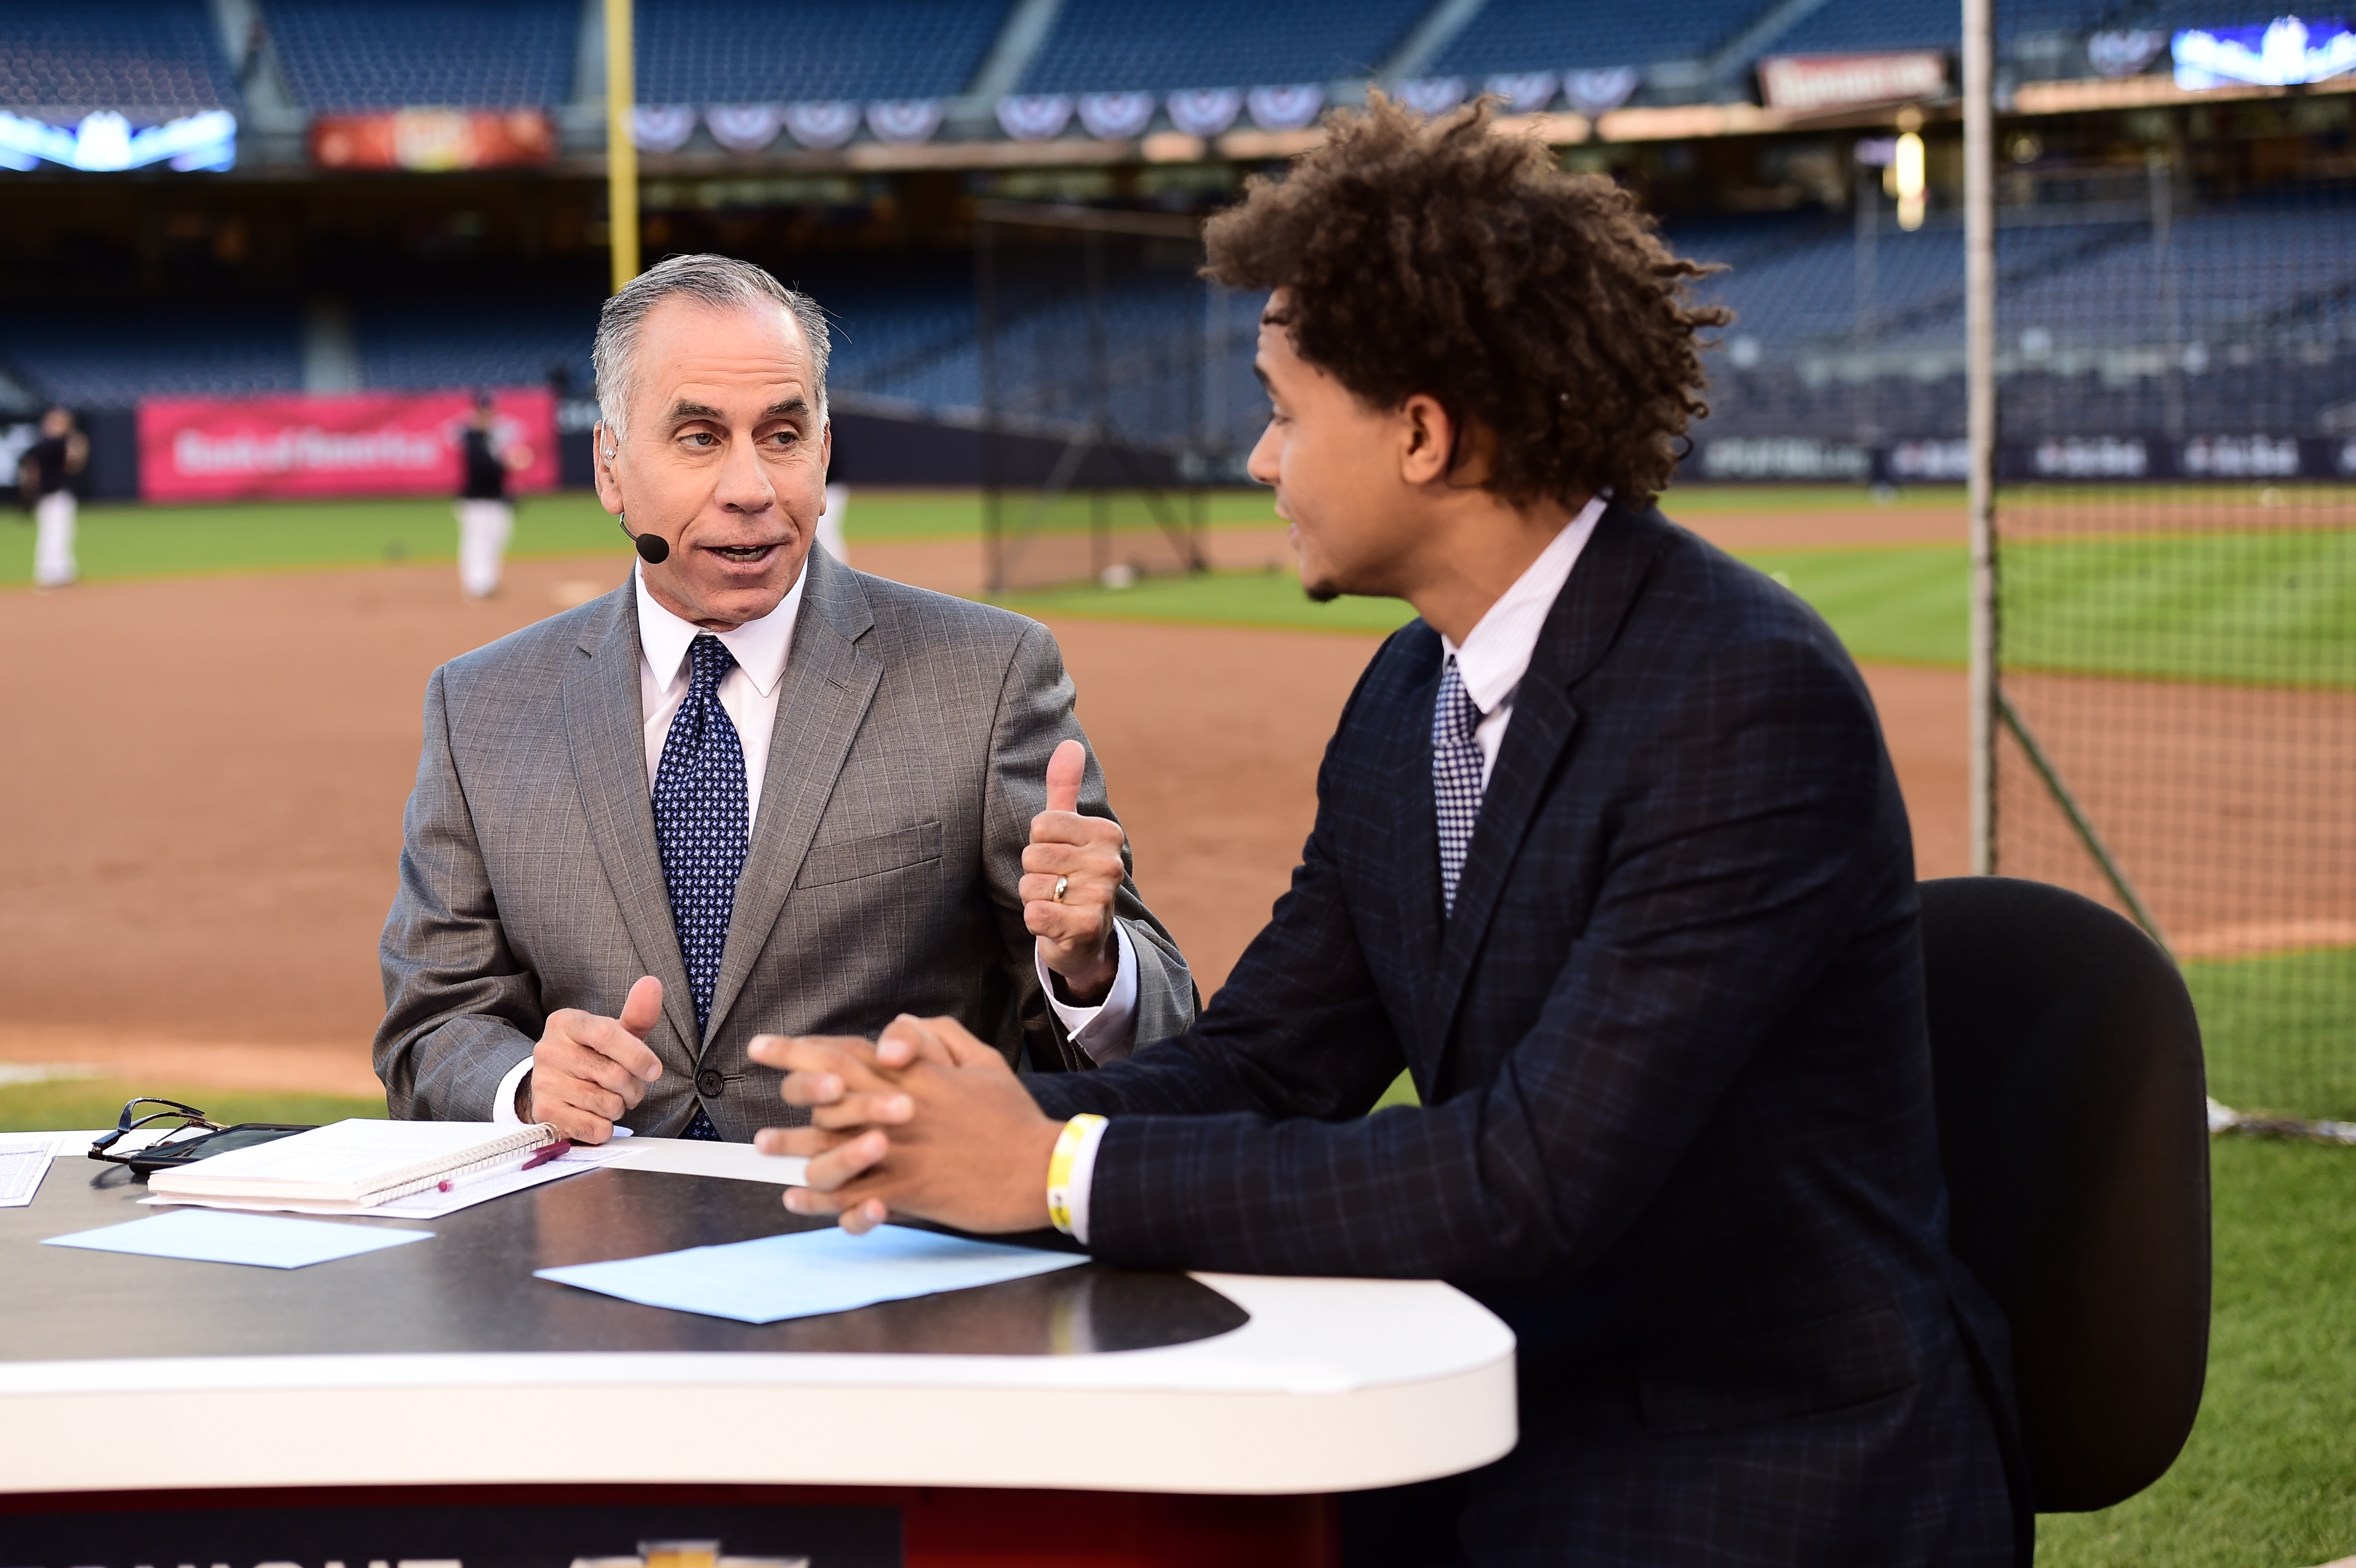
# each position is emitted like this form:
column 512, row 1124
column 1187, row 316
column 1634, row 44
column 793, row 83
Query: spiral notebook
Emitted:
column 360, row 1164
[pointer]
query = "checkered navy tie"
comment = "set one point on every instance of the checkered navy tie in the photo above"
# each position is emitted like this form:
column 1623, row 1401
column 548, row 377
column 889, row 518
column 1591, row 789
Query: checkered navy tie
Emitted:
column 699, row 829
column 1455, row 776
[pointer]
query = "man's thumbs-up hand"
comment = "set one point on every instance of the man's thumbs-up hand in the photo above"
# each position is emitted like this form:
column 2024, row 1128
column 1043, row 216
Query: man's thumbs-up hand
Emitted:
column 1070, row 874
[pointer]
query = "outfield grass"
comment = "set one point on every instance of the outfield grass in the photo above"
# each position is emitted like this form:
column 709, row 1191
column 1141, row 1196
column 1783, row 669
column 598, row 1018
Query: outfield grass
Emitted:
column 120, row 541
column 2276, row 1030
column 1902, row 604
column 97, row 1102
column 2271, row 609
column 2266, row 1480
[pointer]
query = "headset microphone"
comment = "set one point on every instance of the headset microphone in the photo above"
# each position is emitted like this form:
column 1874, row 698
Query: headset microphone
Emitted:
column 653, row 548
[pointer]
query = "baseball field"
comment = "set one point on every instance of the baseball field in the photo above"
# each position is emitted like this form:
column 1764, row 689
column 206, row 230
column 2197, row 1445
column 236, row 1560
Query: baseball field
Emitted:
column 212, row 734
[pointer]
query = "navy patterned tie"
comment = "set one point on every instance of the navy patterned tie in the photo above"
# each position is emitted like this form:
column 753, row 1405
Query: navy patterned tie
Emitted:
column 1455, row 776
column 700, row 829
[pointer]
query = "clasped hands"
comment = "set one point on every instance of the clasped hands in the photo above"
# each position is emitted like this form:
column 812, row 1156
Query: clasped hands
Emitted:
column 925, row 1120
column 589, row 1071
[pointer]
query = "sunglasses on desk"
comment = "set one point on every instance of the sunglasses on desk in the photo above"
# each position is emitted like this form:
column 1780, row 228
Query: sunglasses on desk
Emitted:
column 186, row 1135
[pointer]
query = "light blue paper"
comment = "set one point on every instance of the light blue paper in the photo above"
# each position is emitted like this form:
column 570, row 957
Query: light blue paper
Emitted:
column 809, row 1272
column 213, row 1236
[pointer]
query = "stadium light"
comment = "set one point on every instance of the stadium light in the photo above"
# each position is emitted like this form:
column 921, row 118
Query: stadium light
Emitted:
column 1907, row 176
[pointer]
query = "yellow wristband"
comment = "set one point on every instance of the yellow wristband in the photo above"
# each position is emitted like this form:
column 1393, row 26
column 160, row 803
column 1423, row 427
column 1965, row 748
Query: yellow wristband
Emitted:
column 1059, row 1169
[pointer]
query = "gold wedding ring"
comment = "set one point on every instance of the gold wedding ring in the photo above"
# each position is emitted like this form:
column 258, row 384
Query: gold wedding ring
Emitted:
column 1063, row 886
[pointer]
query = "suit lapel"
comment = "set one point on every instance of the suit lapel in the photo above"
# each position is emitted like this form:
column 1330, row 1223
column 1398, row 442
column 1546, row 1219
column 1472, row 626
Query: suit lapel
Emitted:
column 829, row 683
column 1579, row 631
column 605, row 731
column 1415, row 833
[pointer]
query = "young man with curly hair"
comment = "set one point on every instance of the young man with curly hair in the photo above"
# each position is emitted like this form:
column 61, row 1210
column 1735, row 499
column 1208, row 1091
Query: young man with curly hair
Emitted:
column 1608, row 856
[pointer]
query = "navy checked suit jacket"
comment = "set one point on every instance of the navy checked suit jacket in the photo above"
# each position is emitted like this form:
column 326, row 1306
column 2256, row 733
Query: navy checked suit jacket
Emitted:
column 1676, row 1124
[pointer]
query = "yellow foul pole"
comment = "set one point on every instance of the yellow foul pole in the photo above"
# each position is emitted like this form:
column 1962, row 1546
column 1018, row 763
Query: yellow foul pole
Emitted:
column 621, row 151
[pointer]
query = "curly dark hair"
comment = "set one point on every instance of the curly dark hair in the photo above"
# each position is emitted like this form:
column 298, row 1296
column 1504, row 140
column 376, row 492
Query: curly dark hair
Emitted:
column 1444, row 258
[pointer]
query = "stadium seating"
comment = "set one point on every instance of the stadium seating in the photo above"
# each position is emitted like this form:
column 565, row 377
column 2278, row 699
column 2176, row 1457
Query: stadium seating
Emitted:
column 1544, row 35
column 745, row 51
column 1120, row 46
column 429, row 343
column 145, row 57
column 348, row 55
column 111, row 360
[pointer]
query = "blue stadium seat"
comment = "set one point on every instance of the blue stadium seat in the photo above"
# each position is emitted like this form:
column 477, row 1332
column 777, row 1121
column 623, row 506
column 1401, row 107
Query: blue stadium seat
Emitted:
column 113, row 358
column 472, row 342
column 1120, row 46
column 147, row 59
column 350, row 56
column 745, row 51
column 1867, row 24
column 1547, row 35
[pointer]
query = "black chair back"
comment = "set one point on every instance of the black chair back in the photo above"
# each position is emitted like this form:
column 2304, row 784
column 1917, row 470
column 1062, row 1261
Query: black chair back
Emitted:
column 2073, row 1128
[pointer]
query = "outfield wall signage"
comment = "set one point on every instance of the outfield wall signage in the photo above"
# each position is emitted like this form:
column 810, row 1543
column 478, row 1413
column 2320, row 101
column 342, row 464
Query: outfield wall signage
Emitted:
column 431, row 140
column 367, row 443
column 2055, row 460
column 1809, row 84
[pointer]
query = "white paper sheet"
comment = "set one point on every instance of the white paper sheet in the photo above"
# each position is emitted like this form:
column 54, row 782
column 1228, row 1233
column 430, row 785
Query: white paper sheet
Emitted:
column 693, row 1157
column 420, row 1205
column 260, row 1241
column 24, row 1160
column 809, row 1272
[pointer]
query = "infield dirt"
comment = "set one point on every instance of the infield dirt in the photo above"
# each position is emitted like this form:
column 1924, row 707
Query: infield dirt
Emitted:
column 208, row 777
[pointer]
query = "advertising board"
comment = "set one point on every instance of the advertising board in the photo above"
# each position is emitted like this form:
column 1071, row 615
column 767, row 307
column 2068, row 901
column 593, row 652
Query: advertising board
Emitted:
column 429, row 140
column 364, row 443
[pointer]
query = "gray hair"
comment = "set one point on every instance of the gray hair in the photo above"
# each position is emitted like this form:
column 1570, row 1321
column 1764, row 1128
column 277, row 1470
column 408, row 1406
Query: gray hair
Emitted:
column 719, row 282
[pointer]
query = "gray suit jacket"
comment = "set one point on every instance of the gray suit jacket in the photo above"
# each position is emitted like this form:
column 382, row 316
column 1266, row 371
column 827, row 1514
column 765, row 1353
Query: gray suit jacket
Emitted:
column 909, row 756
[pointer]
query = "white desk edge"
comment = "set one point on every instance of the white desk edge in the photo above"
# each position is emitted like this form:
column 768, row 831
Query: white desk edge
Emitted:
column 1334, row 1384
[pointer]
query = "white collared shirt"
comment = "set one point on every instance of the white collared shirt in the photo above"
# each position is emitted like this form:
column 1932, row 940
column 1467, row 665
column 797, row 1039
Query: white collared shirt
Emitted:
column 1495, row 655
column 1496, row 652
column 748, row 694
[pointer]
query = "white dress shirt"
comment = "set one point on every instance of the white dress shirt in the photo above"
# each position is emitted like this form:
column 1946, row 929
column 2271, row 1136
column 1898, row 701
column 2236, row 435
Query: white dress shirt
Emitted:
column 748, row 693
column 1495, row 655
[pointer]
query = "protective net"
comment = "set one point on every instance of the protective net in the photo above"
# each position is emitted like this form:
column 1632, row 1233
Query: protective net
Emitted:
column 1103, row 396
column 2176, row 569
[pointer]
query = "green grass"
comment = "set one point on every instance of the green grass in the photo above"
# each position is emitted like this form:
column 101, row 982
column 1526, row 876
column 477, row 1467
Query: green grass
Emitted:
column 2266, row 1480
column 1895, row 605
column 121, row 540
column 97, row 1102
column 888, row 516
column 1898, row 605
column 1220, row 599
column 2260, row 608
column 2263, row 1482
column 2278, row 1031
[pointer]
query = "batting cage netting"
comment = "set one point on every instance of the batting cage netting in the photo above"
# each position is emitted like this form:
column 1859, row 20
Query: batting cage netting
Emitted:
column 2175, row 552
column 1110, row 393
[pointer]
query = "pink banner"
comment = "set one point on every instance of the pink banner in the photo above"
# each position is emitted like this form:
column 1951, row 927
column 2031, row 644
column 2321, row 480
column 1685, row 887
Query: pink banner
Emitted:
column 364, row 443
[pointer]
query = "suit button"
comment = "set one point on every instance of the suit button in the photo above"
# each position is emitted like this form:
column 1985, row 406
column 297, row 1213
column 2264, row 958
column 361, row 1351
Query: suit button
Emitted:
column 708, row 1083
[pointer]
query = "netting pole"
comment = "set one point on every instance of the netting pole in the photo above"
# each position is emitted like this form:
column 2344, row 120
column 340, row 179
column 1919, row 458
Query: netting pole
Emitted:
column 985, row 310
column 621, row 151
column 1980, row 332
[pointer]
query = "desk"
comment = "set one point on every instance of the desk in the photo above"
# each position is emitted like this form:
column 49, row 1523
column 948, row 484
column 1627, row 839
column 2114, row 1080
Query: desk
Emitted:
column 1212, row 1414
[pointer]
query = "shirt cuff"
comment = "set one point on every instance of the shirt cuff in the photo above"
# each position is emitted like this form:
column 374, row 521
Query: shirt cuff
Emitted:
column 1083, row 1179
column 503, row 1111
column 1106, row 1031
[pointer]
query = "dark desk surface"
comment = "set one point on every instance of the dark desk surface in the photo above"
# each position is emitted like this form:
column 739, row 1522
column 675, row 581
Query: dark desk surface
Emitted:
column 446, row 1363
column 471, row 1288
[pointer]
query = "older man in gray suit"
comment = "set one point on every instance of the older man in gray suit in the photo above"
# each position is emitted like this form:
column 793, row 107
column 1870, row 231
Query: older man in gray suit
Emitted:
column 750, row 790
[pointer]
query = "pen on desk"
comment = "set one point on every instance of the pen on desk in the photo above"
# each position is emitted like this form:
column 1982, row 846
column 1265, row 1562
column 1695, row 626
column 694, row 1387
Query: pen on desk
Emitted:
column 542, row 1157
